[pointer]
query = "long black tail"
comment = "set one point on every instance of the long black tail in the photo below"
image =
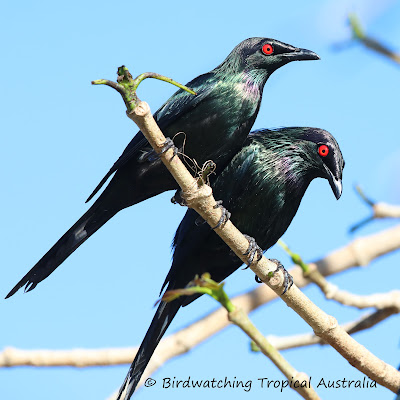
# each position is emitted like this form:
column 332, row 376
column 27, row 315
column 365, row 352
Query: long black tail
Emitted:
column 164, row 315
column 88, row 224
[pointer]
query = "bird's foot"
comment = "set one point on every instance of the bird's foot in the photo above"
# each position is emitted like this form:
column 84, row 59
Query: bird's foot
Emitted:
column 153, row 156
column 225, row 214
column 169, row 144
column 178, row 199
column 252, row 250
column 288, row 279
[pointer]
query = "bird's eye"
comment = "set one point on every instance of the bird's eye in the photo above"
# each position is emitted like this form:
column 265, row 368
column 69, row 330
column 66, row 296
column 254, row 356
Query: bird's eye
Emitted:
column 267, row 49
column 323, row 150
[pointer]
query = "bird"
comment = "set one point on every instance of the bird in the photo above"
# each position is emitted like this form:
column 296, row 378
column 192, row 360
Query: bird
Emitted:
column 262, row 187
column 215, row 122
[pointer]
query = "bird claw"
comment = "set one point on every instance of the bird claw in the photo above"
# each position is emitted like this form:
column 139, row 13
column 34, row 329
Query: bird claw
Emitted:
column 153, row 156
column 169, row 144
column 252, row 250
column 288, row 279
column 178, row 199
column 225, row 214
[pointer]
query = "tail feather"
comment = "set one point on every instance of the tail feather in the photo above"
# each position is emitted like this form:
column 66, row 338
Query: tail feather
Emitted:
column 162, row 319
column 88, row 224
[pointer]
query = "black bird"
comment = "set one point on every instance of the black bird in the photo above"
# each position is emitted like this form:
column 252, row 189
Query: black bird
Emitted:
column 215, row 123
column 262, row 187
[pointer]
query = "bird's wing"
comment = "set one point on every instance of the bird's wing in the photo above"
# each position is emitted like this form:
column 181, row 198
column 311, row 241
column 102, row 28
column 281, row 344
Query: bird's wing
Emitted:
column 234, row 179
column 188, row 239
column 135, row 145
column 182, row 102
column 175, row 107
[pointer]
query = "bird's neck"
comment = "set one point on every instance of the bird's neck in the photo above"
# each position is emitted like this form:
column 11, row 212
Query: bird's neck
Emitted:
column 284, row 176
column 234, row 69
column 249, row 83
column 286, row 185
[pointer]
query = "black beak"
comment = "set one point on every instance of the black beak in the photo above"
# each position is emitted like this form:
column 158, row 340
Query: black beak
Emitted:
column 336, row 184
column 301, row 54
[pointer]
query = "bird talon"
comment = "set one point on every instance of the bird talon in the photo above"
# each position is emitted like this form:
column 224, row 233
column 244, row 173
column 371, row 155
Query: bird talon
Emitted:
column 225, row 214
column 288, row 279
column 178, row 199
column 252, row 250
column 153, row 156
column 169, row 144
column 257, row 279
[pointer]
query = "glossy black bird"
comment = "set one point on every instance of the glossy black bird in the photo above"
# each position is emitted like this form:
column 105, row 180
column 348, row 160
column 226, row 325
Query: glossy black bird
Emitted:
column 215, row 123
column 262, row 187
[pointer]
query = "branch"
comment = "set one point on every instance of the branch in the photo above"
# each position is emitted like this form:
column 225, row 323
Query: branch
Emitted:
column 80, row 358
column 380, row 300
column 308, row 339
column 379, row 210
column 200, row 198
column 377, row 300
column 176, row 344
column 358, row 252
column 373, row 44
column 205, row 285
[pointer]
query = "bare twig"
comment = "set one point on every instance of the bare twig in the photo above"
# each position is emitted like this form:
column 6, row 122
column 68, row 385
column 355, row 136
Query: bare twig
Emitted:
column 381, row 300
column 80, row 358
column 379, row 210
column 371, row 43
column 308, row 339
column 377, row 300
column 205, row 285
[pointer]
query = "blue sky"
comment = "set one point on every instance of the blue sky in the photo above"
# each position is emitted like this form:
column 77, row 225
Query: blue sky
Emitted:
column 60, row 135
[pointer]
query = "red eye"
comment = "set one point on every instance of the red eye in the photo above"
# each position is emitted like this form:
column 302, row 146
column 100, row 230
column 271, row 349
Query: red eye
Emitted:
column 323, row 150
column 267, row 49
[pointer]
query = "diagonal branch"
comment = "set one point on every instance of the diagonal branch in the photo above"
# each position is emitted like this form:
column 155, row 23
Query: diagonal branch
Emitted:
column 331, row 291
column 200, row 199
column 205, row 285
column 308, row 339
column 379, row 210
column 369, row 42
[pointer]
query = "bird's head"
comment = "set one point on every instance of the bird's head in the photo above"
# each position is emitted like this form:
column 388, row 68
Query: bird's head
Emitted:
column 264, row 54
column 325, row 157
column 300, row 154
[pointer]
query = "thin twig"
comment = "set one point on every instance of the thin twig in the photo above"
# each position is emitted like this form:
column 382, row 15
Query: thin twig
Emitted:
column 308, row 339
column 379, row 210
column 332, row 292
column 371, row 43
column 205, row 285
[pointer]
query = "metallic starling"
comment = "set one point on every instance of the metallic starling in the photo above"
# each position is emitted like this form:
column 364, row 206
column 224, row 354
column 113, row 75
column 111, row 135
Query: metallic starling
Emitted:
column 262, row 187
column 215, row 123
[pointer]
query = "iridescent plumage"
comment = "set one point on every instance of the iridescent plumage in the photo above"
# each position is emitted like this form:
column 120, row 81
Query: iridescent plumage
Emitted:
column 262, row 187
